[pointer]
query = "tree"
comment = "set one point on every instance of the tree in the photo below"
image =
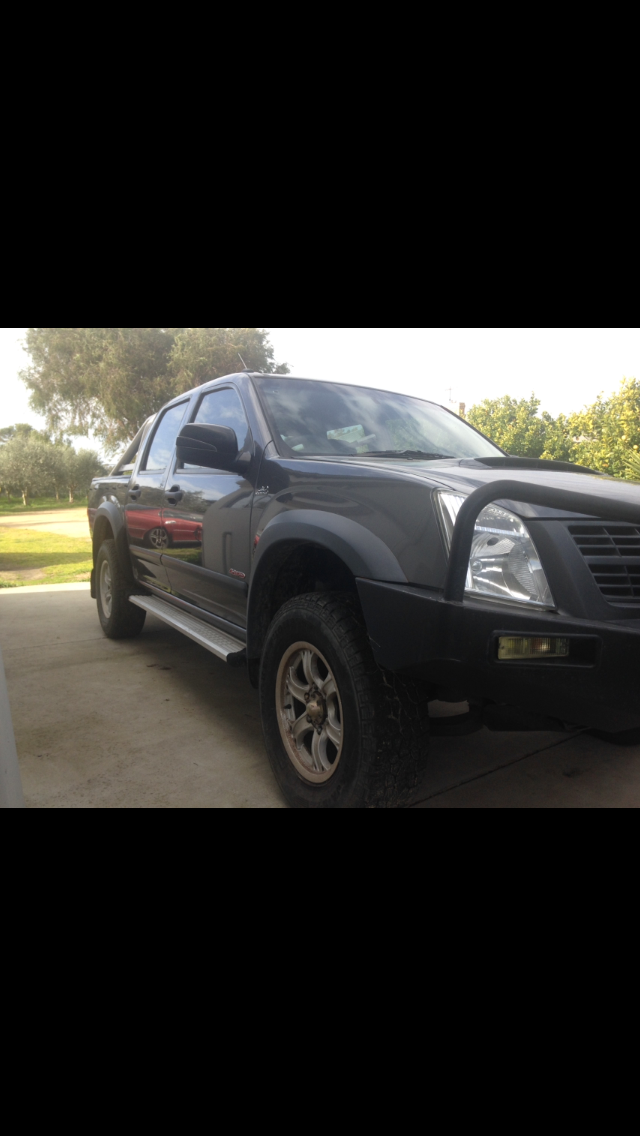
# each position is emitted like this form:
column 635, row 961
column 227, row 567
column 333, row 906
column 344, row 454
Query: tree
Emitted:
column 108, row 380
column 53, row 461
column 21, row 430
column 558, row 439
column 23, row 466
column 32, row 465
column 603, row 434
column 204, row 353
column 80, row 469
column 513, row 425
column 105, row 380
column 633, row 466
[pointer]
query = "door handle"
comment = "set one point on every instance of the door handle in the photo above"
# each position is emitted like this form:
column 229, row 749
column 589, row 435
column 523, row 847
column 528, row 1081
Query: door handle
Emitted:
column 135, row 494
column 174, row 496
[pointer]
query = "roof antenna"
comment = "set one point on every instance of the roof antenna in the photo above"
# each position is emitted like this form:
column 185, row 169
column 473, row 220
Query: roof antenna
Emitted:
column 242, row 361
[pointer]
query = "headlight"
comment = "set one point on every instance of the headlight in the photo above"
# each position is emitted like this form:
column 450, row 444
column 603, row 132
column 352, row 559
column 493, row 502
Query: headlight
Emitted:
column 504, row 560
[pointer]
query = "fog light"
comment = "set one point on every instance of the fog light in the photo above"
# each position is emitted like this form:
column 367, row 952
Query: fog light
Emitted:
column 528, row 648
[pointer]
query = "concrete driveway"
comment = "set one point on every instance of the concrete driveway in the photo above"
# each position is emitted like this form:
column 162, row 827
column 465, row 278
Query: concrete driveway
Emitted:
column 157, row 723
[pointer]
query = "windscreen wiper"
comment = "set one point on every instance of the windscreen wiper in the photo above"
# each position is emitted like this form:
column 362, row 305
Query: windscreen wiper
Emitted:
column 413, row 455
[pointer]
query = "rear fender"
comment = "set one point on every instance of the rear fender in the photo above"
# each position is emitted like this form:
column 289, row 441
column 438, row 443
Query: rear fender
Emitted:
column 110, row 524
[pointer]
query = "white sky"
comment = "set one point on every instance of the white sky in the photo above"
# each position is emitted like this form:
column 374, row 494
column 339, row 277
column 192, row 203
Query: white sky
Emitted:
column 567, row 367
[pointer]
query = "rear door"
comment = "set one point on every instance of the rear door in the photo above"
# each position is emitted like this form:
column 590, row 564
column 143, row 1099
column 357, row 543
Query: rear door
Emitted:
column 145, row 499
column 207, row 519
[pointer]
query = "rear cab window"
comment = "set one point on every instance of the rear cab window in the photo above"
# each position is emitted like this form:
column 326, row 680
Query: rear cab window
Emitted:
column 127, row 463
column 163, row 444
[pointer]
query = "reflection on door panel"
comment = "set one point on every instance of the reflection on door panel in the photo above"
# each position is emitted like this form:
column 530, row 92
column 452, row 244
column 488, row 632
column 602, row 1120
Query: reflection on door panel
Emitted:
column 145, row 525
column 183, row 535
column 146, row 533
column 209, row 527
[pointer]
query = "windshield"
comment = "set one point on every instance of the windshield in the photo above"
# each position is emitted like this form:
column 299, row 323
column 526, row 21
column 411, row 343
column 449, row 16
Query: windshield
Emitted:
column 313, row 419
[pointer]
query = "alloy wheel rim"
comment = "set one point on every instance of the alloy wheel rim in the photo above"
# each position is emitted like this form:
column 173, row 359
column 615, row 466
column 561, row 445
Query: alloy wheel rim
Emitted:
column 106, row 589
column 310, row 713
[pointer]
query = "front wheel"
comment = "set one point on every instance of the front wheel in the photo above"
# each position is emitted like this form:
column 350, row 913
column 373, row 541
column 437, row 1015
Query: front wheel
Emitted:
column 120, row 619
column 340, row 732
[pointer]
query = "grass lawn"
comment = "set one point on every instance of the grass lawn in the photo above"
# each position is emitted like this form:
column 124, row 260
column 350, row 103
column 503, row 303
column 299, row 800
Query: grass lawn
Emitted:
column 46, row 557
column 39, row 503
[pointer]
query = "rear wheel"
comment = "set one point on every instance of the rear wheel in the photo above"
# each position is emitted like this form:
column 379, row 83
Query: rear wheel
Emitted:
column 340, row 732
column 120, row 619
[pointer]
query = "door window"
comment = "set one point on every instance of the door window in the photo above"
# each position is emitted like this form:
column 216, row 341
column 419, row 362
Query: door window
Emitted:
column 224, row 408
column 164, row 440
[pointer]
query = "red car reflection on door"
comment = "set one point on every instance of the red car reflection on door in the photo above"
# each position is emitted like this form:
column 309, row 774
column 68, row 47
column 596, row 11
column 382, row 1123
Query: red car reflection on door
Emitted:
column 148, row 528
column 183, row 532
column 141, row 523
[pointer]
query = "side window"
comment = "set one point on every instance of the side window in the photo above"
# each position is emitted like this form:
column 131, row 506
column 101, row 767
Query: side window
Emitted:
column 164, row 441
column 126, row 465
column 224, row 408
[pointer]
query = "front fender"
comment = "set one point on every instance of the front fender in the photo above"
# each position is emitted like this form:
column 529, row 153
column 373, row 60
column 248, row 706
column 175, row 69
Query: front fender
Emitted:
column 366, row 556
column 361, row 551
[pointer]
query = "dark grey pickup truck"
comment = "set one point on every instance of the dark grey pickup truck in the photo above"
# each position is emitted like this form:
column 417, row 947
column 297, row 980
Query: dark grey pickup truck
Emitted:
column 365, row 554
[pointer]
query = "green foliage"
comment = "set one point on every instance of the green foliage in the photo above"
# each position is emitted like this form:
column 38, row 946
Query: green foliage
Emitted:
column 204, row 353
column 108, row 380
column 605, row 433
column 23, row 466
column 633, row 466
column 600, row 437
column 105, row 380
column 80, row 470
column 31, row 465
column 558, row 442
column 513, row 425
column 21, row 430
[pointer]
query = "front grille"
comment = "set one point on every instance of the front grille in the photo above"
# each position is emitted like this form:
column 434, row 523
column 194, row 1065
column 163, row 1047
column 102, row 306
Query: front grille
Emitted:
column 613, row 555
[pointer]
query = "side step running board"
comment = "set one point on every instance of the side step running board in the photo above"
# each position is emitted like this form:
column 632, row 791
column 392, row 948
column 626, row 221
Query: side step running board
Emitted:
column 224, row 646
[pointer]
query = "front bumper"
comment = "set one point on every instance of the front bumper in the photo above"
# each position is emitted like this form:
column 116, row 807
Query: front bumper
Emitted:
column 453, row 646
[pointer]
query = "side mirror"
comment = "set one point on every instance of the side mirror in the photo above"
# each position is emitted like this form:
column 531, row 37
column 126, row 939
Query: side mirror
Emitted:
column 213, row 447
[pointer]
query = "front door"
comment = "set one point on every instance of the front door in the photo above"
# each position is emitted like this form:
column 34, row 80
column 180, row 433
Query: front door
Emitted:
column 207, row 519
column 143, row 511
